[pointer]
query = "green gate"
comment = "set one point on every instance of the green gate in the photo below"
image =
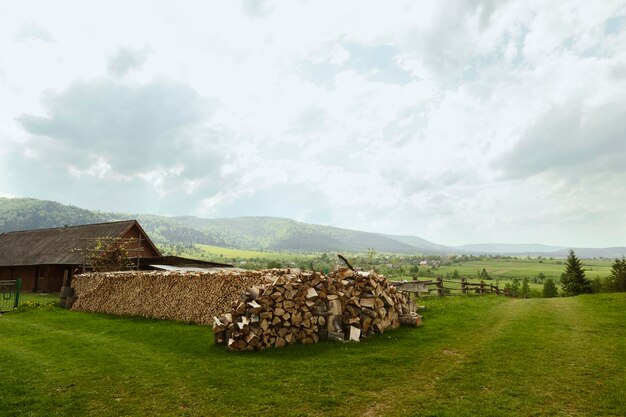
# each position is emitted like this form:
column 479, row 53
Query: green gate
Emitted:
column 10, row 294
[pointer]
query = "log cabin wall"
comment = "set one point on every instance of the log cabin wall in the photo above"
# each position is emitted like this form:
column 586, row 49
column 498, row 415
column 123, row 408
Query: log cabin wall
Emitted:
column 139, row 247
column 37, row 278
column 41, row 257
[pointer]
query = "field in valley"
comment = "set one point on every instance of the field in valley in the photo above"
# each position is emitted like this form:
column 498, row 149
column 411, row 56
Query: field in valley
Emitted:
column 520, row 268
column 485, row 356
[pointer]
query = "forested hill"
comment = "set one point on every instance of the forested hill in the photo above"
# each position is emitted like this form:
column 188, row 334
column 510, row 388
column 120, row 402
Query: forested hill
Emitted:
column 259, row 233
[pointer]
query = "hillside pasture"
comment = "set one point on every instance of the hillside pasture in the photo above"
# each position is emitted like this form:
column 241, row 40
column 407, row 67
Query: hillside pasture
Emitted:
column 488, row 356
column 215, row 252
column 520, row 268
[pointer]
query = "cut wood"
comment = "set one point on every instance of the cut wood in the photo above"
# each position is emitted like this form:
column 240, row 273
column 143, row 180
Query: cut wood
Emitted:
column 304, row 307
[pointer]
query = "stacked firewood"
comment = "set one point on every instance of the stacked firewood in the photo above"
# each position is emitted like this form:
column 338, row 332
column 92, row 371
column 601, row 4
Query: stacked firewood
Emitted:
column 187, row 296
column 306, row 307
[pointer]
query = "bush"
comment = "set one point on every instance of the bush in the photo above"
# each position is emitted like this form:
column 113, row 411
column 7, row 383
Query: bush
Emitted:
column 549, row 288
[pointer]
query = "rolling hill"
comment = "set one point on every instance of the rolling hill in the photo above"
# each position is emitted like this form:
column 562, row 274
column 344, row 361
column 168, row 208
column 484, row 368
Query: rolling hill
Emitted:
column 261, row 233
column 252, row 233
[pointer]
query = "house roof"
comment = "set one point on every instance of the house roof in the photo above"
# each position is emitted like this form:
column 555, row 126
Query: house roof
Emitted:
column 59, row 245
column 178, row 261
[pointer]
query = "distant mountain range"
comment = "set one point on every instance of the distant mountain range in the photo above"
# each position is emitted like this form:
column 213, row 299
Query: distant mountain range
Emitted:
column 261, row 233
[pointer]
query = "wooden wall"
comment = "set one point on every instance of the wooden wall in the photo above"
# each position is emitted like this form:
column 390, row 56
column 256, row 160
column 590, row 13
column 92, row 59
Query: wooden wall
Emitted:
column 50, row 276
column 146, row 249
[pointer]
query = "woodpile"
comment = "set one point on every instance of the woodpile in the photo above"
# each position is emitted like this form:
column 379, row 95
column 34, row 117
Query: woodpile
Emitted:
column 306, row 307
column 190, row 296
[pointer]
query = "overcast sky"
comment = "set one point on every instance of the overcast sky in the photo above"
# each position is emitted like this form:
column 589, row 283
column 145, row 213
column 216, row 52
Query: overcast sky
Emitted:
column 457, row 121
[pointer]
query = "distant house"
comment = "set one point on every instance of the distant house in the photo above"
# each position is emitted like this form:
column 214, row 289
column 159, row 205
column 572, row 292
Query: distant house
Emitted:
column 42, row 257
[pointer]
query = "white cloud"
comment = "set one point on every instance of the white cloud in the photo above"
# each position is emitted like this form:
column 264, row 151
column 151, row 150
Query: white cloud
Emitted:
column 459, row 122
column 126, row 59
column 30, row 31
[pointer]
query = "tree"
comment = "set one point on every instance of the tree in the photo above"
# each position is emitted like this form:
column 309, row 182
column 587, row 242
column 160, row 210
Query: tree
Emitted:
column 455, row 275
column 539, row 278
column 513, row 287
column 618, row 275
column 573, row 280
column 549, row 288
column 484, row 274
column 525, row 292
column 109, row 254
column 371, row 255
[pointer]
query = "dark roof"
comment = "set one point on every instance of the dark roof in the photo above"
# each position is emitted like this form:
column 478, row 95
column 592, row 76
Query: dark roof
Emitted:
column 180, row 261
column 59, row 245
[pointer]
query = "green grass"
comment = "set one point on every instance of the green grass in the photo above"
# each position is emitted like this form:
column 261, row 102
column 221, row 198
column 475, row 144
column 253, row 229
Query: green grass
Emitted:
column 42, row 298
column 230, row 253
column 520, row 268
column 487, row 356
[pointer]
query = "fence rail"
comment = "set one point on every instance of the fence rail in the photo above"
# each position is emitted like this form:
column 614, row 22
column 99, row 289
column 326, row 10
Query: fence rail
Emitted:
column 10, row 294
column 438, row 288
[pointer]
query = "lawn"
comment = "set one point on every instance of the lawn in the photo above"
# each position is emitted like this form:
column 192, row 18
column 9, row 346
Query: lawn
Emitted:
column 485, row 356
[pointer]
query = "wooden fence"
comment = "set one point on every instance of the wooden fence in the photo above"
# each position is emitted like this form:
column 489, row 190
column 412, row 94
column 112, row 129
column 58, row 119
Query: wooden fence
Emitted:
column 443, row 287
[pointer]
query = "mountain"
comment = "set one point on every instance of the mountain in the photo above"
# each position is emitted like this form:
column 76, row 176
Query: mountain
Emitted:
column 263, row 233
column 506, row 248
column 533, row 249
column 418, row 242
column 255, row 233
column 279, row 234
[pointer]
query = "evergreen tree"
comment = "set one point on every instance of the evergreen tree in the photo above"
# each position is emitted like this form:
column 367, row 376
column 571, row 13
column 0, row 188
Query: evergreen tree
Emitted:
column 573, row 280
column 549, row 288
column 484, row 274
column 618, row 275
column 455, row 275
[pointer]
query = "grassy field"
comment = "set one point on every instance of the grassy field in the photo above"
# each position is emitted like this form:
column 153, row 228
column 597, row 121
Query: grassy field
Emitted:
column 487, row 356
column 241, row 253
column 520, row 268
column 497, row 268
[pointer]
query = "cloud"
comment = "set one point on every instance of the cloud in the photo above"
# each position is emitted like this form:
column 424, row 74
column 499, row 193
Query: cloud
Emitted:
column 30, row 31
column 456, row 121
column 571, row 138
column 125, row 59
column 257, row 8
column 131, row 125
column 115, row 133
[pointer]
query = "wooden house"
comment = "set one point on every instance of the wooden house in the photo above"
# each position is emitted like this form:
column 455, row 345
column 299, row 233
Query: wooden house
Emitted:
column 41, row 258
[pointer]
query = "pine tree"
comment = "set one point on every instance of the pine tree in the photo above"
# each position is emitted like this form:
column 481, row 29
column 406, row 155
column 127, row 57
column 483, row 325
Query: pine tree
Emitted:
column 484, row 274
column 549, row 288
column 618, row 274
column 573, row 280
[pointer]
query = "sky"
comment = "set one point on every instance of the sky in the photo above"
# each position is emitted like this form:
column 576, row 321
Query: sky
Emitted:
column 457, row 121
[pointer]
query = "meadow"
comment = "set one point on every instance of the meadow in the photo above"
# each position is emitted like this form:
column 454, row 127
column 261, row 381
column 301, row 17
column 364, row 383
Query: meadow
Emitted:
column 404, row 267
column 499, row 268
column 475, row 355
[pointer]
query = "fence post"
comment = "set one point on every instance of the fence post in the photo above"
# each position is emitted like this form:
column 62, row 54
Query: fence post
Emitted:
column 482, row 287
column 463, row 286
column 497, row 290
column 440, row 286
column 18, row 289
